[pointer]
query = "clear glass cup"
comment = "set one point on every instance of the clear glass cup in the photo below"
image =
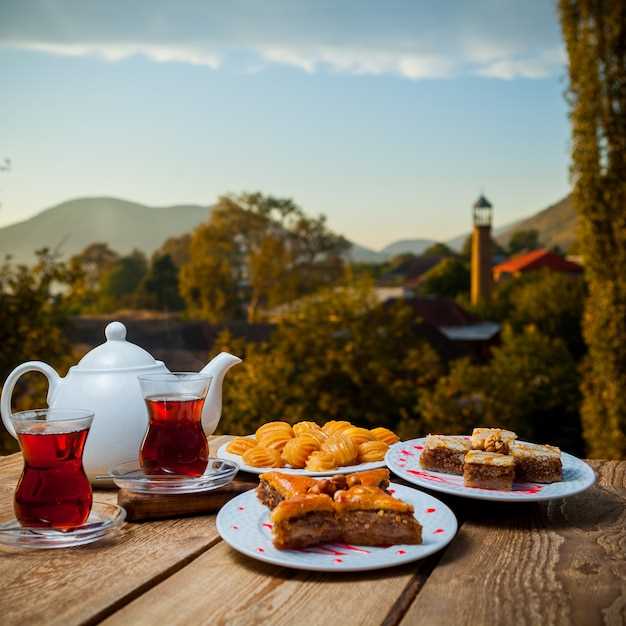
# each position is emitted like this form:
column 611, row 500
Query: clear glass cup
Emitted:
column 175, row 442
column 53, row 490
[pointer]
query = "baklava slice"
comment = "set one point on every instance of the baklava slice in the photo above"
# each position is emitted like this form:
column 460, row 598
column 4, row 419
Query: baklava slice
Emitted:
column 492, row 439
column 488, row 470
column 372, row 478
column 444, row 453
column 370, row 517
column 535, row 463
column 303, row 521
column 274, row 487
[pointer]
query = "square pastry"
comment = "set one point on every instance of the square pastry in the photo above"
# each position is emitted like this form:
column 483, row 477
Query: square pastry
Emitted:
column 492, row 439
column 535, row 463
column 444, row 453
column 488, row 470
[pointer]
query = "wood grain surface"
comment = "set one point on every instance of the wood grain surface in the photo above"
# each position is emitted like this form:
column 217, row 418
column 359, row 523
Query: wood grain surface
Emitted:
column 561, row 562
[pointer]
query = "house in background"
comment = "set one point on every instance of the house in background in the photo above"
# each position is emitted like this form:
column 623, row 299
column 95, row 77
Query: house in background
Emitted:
column 535, row 260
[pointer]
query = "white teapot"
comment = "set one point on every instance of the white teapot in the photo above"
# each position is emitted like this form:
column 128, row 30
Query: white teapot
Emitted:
column 105, row 381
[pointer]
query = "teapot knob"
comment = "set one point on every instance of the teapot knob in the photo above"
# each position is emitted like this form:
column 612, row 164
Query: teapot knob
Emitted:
column 115, row 331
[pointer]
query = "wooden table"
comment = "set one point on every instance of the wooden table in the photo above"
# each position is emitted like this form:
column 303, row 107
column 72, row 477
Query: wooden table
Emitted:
column 563, row 562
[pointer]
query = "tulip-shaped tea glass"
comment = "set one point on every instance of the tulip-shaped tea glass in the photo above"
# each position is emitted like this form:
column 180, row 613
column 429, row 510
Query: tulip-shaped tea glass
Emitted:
column 175, row 442
column 53, row 491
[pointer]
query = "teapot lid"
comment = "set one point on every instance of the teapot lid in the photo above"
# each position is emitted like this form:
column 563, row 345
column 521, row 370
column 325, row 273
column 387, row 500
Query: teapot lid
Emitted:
column 116, row 352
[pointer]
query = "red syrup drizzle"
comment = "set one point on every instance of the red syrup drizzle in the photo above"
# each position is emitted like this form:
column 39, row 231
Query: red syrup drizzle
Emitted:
column 419, row 447
column 427, row 476
column 406, row 452
column 266, row 525
column 401, row 552
column 431, row 509
column 529, row 489
column 338, row 560
column 259, row 549
column 346, row 546
column 438, row 531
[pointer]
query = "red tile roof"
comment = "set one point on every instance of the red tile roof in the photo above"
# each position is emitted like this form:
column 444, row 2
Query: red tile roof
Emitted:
column 537, row 259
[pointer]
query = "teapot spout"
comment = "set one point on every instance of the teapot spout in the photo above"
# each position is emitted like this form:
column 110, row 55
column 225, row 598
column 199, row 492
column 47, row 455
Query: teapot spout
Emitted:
column 217, row 369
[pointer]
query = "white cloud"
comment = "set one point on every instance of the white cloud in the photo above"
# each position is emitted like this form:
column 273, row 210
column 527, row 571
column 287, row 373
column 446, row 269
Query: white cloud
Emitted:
column 361, row 61
column 413, row 39
column 117, row 52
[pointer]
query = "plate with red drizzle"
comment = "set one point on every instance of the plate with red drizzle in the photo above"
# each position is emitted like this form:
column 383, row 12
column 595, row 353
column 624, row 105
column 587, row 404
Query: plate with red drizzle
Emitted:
column 403, row 460
column 245, row 524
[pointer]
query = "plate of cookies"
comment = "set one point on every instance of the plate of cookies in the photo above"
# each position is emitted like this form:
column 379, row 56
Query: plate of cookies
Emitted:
column 336, row 447
column 490, row 464
column 344, row 523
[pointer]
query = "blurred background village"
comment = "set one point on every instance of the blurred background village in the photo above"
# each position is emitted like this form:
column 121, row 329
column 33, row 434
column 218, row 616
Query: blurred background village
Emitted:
column 521, row 325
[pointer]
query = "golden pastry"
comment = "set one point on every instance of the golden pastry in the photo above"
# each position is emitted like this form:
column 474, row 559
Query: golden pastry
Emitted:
column 358, row 435
column 384, row 434
column 274, row 435
column 370, row 451
column 342, row 448
column 310, row 428
column 334, row 426
column 262, row 457
column 297, row 450
column 320, row 461
column 240, row 445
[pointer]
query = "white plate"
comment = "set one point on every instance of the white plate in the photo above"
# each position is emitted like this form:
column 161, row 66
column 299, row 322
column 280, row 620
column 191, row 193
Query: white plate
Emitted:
column 131, row 477
column 222, row 453
column 104, row 521
column 245, row 524
column 403, row 460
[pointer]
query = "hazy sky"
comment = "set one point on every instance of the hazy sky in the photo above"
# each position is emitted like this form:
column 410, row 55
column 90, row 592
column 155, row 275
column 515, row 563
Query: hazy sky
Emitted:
column 390, row 117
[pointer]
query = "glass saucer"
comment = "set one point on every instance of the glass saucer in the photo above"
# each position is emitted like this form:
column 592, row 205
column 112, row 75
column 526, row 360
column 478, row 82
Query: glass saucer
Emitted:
column 104, row 521
column 131, row 477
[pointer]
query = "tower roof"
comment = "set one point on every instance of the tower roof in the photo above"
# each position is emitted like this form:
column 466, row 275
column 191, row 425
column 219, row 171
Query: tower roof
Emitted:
column 482, row 203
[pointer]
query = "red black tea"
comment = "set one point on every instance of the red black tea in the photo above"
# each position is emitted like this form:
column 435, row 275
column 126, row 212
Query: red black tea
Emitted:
column 175, row 442
column 53, row 491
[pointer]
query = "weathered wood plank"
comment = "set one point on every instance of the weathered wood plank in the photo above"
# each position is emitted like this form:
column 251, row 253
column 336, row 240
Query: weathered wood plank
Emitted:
column 83, row 585
column 561, row 562
column 223, row 587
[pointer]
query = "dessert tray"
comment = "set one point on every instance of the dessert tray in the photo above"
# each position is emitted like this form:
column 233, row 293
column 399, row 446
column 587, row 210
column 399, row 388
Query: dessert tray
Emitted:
column 130, row 476
column 403, row 459
column 104, row 521
column 222, row 453
column 245, row 524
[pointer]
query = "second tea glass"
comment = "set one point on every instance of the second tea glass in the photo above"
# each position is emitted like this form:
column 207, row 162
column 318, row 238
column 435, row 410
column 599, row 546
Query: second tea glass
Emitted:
column 175, row 442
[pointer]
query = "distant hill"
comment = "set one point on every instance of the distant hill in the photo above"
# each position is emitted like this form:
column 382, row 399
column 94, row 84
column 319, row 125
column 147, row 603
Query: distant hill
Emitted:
column 403, row 246
column 556, row 225
column 361, row 254
column 71, row 226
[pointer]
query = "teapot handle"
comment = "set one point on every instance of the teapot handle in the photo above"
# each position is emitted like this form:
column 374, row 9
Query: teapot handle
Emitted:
column 9, row 385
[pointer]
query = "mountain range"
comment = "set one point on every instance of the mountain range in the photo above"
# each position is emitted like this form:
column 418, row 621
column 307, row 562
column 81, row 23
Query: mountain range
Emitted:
column 71, row 226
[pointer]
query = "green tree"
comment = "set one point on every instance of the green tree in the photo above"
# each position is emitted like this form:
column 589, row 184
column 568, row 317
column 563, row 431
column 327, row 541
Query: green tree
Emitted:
column 255, row 253
column 439, row 249
column 337, row 354
column 449, row 278
column 120, row 285
column 550, row 301
column 525, row 239
column 529, row 386
column 177, row 248
column 33, row 318
column 86, row 270
column 595, row 38
column 159, row 287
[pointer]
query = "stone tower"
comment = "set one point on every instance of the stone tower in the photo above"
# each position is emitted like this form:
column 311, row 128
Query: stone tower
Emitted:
column 481, row 250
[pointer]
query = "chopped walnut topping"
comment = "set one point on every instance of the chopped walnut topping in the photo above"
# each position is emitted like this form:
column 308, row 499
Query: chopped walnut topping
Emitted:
column 494, row 443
